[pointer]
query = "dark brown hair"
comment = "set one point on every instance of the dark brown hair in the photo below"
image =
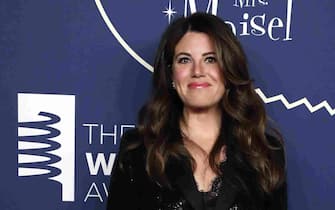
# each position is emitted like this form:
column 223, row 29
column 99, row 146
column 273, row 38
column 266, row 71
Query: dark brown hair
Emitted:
column 241, row 107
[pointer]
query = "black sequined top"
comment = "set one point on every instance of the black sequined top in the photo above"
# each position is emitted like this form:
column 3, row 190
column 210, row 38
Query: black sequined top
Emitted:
column 210, row 197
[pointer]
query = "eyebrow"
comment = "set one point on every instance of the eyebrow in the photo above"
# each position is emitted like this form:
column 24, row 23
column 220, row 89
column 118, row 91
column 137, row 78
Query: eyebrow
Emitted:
column 209, row 53
column 188, row 54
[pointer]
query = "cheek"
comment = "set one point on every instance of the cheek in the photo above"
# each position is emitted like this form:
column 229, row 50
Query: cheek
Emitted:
column 217, row 75
column 179, row 76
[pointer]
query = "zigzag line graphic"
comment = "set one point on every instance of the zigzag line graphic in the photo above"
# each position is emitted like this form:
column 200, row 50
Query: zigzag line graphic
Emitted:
column 310, row 107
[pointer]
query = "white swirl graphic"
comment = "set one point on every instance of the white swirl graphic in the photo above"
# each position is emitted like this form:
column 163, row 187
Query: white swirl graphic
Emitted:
column 123, row 43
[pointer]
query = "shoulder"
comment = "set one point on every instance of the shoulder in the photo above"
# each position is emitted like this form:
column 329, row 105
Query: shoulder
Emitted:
column 275, row 140
column 278, row 197
column 277, row 147
column 273, row 134
column 274, row 137
column 131, row 145
column 130, row 138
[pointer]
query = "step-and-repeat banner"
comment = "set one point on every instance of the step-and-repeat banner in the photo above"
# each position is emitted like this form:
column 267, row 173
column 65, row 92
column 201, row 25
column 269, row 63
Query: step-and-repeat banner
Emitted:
column 73, row 75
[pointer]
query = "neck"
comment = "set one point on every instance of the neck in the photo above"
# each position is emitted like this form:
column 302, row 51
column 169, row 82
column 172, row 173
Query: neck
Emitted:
column 202, row 126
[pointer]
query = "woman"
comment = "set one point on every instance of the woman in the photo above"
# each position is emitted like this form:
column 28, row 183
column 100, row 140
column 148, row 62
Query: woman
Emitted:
column 200, row 143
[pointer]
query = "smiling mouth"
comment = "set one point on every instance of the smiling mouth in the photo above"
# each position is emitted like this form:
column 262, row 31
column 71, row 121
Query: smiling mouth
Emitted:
column 198, row 85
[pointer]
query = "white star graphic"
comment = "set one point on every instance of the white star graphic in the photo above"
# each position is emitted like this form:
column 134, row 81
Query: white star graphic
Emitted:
column 169, row 11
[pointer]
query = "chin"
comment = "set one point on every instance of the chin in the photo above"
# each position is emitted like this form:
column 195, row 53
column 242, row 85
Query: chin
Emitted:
column 202, row 106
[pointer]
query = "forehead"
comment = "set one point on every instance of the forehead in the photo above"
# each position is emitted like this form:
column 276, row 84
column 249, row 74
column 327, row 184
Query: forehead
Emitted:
column 193, row 42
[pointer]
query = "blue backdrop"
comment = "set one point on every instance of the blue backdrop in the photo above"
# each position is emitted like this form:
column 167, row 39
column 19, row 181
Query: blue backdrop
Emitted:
column 73, row 75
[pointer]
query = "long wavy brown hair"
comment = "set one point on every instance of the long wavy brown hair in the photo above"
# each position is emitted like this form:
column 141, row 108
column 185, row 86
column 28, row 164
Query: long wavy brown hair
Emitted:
column 242, row 109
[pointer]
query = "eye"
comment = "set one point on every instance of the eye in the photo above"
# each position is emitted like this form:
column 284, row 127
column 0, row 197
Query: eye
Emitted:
column 183, row 60
column 210, row 59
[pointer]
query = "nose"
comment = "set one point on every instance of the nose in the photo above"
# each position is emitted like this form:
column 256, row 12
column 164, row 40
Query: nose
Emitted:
column 198, row 70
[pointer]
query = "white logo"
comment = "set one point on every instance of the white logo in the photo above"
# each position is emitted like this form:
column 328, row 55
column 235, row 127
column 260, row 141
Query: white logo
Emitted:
column 46, row 139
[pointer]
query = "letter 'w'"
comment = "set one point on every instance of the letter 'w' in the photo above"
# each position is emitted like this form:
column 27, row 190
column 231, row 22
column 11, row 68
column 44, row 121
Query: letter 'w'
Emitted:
column 100, row 161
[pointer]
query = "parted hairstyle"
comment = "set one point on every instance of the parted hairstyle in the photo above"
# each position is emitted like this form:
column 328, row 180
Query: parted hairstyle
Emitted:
column 242, row 109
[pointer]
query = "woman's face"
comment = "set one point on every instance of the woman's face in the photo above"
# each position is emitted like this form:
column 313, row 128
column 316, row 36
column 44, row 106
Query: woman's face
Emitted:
column 197, row 76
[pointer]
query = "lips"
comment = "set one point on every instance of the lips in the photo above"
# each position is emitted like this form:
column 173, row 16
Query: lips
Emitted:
column 198, row 85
